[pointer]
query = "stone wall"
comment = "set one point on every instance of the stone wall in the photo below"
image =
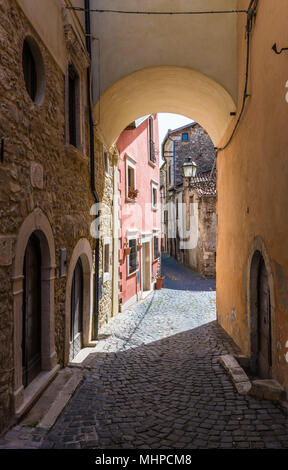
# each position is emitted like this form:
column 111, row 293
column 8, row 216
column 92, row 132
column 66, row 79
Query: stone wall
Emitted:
column 38, row 171
column 199, row 147
column 106, row 191
column 207, row 236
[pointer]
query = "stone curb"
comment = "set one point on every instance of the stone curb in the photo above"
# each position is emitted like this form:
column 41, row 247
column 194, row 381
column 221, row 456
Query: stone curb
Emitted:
column 61, row 401
column 239, row 378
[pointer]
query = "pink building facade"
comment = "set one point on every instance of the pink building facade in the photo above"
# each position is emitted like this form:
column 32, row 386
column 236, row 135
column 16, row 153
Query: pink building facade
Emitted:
column 140, row 212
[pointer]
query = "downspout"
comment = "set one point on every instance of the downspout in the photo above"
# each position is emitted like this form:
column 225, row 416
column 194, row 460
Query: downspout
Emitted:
column 92, row 168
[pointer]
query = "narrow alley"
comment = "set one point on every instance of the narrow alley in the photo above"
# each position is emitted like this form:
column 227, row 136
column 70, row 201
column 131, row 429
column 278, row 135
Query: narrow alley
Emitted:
column 154, row 382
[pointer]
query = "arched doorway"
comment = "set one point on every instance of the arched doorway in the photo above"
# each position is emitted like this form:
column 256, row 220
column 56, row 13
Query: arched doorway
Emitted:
column 31, row 331
column 76, row 319
column 261, row 325
column 79, row 301
column 35, row 358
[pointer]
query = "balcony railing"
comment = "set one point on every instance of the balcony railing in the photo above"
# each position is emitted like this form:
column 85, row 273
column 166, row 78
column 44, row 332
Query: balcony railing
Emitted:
column 152, row 153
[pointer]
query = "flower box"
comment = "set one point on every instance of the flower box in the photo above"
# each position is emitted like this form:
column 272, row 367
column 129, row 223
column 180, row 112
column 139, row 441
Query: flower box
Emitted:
column 132, row 193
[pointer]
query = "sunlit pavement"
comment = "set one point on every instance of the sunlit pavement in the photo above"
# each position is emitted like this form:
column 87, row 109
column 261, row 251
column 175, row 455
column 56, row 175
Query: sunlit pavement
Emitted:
column 154, row 381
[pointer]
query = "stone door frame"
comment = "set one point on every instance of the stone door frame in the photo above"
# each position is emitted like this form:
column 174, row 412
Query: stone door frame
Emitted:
column 36, row 223
column 258, row 246
column 83, row 251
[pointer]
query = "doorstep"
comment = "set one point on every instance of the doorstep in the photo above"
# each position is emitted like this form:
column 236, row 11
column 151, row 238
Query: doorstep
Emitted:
column 265, row 389
column 35, row 389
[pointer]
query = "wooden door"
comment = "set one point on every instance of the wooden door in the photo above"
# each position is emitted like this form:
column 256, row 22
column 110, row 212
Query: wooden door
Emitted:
column 31, row 337
column 264, row 324
column 76, row 327
column 146, row 267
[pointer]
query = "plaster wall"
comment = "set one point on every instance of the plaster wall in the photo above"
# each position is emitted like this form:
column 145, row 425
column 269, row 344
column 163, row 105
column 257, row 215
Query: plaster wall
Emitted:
column 252, row 187
column 138, row 215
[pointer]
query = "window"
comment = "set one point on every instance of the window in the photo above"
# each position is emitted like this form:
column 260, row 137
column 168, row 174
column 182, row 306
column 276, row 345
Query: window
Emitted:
column 154, row 196
column 106, row 259
column 131, row 178
column 33, row 70
column 151, row 143
column 132, row 260
column 29, row 69
column 170, row 174
column 165, row 217
column 156, row 253
column 73, row 106
column 185, row 137
column 131, row 191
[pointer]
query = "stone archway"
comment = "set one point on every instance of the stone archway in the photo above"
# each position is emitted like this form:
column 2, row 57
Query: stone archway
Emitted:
column 258, row 254
column 171, row 89
column 38, row 224
column 83, row 252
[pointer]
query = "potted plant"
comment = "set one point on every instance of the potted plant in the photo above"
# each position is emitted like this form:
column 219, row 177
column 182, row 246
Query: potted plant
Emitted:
column 160, row 282
column 127, row 250
column 132, row 193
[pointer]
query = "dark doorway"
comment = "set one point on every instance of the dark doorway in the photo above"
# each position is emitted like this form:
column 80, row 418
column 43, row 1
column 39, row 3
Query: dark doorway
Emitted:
column 261, row 338
column 264, row 323
column 31, row 336
column 76, row 325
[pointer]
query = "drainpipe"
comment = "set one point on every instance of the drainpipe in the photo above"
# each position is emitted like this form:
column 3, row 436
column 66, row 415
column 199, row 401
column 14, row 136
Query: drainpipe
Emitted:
column 92, row 167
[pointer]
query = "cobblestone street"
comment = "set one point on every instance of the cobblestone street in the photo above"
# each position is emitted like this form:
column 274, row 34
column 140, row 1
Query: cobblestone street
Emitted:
column 154, row 381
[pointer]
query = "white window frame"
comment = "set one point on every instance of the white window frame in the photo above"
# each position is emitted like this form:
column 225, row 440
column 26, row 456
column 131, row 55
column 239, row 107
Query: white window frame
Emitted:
column 131, row 235
column 107, row 276
column 154, row 185
column 130, row 163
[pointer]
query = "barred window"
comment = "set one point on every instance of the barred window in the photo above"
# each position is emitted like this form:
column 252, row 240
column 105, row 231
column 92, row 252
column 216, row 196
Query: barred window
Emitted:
column 133, row 264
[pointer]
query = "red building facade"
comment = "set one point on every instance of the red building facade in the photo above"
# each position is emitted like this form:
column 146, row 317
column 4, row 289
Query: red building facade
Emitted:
column 140, row 214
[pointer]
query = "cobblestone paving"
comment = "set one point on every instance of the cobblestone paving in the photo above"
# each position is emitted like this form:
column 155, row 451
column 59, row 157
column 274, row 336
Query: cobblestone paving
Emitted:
column 154, row 381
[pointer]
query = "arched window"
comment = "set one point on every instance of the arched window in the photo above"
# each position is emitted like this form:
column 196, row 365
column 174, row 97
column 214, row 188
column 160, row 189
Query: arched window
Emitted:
column 33, row 70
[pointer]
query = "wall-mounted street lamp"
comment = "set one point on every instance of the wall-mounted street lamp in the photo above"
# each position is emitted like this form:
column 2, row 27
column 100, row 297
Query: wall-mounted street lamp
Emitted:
column 274, row 48
column 190, row 169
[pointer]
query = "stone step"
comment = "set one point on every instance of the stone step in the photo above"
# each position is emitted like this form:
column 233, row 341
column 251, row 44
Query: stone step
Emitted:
column 267, row 389
column 56, row 395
